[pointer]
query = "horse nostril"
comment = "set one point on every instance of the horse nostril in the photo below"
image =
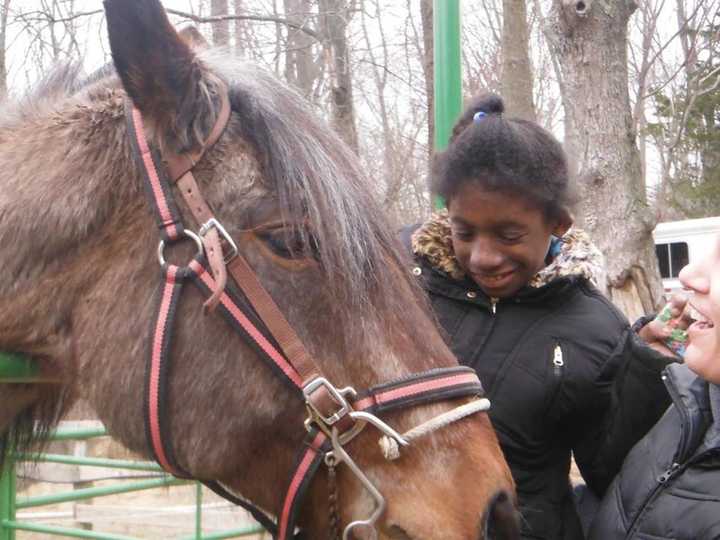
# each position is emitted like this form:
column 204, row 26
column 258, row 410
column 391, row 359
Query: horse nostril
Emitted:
column 501, row 519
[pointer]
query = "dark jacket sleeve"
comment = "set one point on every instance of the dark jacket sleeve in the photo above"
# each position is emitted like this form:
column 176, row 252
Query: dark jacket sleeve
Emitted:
column 631, row 398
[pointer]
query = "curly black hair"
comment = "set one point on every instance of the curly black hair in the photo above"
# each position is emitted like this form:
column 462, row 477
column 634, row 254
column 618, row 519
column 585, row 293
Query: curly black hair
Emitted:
column 509, row 155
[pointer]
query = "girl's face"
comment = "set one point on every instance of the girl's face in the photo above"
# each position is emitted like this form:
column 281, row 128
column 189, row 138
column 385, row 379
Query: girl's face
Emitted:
column 501, row 241
column 703, row 348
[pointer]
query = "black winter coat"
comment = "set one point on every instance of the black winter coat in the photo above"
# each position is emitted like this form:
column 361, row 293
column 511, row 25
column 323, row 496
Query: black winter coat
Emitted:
column 669, row 486
column 564, row 372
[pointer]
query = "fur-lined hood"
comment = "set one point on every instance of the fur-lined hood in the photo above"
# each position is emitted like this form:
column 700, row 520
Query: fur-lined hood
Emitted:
column 576, row 255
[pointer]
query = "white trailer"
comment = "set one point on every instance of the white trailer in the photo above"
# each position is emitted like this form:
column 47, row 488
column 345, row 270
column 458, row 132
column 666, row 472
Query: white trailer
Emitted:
column 679, row 242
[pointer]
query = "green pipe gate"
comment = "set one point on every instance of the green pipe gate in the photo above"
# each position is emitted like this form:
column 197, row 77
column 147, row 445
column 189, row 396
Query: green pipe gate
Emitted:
column 10, row 503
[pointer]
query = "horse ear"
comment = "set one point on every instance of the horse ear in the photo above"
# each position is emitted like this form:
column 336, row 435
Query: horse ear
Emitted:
column 175, row 93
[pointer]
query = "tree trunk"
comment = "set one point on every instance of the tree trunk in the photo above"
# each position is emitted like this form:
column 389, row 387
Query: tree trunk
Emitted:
column 300, row 68
column 591, row 42
column 428, row 64
column 3, row 66
column 220, row 29
column 516, row 75
column 334, row 18
column 569, row 144
column 240, row 28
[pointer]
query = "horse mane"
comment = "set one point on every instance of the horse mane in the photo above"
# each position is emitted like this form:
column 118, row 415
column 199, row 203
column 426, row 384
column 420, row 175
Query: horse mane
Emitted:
column 319, row 177
column 60, row 82
column 31, row 428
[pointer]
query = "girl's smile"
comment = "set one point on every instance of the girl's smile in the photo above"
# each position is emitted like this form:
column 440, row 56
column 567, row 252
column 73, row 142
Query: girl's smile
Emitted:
column 703, row 349
column 493, row 281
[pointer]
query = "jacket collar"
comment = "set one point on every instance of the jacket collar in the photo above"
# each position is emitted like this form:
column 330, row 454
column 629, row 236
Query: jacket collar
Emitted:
column 575, row 255
column 690, row 396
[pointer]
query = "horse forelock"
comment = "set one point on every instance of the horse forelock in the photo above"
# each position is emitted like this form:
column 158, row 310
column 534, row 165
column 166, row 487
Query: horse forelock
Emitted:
column 318, row 178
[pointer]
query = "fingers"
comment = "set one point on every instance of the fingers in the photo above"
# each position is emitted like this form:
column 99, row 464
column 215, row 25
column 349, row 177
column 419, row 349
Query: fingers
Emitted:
column 656, row 330
column 675, row 313
column 667, row 332
column 678, row 303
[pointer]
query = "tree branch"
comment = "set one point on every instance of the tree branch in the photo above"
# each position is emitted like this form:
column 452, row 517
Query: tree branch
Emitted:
column 44, row 15
column 260, row 18
column 184, row 14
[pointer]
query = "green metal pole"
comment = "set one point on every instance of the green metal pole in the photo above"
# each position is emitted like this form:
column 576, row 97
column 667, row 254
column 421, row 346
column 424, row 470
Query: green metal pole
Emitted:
column 77, row 434
column 17, row 369
column 448, row 72
column 7, row 501
column 103, row 491
column 92, row 462
column 67, row 532
column 198, row 511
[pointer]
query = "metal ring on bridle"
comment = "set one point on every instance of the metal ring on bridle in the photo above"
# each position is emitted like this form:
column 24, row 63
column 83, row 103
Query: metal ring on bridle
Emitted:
column 186, row 233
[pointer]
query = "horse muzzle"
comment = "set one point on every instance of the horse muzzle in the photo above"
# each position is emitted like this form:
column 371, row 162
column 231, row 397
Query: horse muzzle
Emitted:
column 501, row 520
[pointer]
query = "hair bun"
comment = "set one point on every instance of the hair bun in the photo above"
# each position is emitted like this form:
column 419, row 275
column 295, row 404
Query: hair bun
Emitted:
column 478, row 108
column 488, row 103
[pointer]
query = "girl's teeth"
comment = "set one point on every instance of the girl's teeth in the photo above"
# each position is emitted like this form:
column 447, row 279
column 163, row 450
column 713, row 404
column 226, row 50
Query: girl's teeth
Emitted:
column 696, row 315
column 701, row 320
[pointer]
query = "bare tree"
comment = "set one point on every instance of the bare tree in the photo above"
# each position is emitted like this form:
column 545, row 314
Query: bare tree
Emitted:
column 3, row 47
column 428, row 63
column 221, row 26
column 334, row 18
column 302, row 68
column 482, row 48
column 517, row 78
column 241, row 37
column 590, row 39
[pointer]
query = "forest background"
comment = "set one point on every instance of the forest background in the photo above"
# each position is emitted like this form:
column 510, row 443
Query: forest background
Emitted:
column 632, row 88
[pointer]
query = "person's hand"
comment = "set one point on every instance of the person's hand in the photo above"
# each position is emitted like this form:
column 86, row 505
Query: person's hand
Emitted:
column 666, row 332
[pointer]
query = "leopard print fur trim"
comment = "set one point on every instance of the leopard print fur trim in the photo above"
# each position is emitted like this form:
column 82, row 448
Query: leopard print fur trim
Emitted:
column 578, row 256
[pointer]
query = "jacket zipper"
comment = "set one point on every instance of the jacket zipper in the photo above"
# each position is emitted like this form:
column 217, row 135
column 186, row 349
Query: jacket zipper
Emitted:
column 493, row 304
column 676, row 467
column 662, row 480
column 675, row 470
column 558, row 361
column 667, row 475
column 558, row 366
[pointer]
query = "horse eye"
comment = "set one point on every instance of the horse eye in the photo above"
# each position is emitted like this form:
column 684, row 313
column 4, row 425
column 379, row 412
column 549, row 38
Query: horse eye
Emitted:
column 291, row 243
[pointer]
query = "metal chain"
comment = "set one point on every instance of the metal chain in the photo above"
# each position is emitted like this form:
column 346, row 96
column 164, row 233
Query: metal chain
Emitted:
column 333, row 506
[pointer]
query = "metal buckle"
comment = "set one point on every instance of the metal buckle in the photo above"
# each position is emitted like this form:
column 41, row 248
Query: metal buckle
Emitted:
column 214, row 223
column 337, row 395
column 186, row 234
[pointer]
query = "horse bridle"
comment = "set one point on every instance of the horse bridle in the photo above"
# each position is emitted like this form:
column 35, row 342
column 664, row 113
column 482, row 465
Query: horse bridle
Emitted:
column 335, row 415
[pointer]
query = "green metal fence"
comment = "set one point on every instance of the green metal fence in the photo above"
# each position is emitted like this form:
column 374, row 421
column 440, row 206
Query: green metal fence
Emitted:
column 10, row 503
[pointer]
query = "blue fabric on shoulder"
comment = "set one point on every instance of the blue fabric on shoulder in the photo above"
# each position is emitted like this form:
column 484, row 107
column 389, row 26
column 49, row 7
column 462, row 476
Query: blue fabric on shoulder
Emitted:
column 555, row 246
